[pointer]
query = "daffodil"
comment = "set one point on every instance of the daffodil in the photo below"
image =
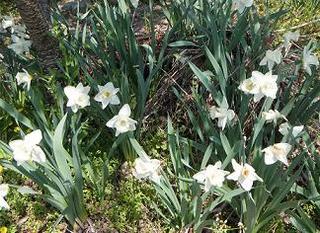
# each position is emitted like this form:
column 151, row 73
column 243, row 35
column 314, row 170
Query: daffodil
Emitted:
column 77, row 97
column 107, row 95
column 289, row 37
column 19, row 45
column 240, row 5
column 212, row 176
column 146, row 168
column 272, row 116
column 28, row 149
column 260, row 85
column 222, row 114
column 122, row 122
column 277, row 152
column 24, row 78
column 285, row 128
column 272, row 57
column 308, row 60
column 4, row 189
column 244, row 174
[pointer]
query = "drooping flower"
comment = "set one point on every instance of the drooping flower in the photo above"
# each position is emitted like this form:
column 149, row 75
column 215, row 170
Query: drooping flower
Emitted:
column 146, row 168
column 77, row 97
column 289, row 37
column 272, row 115
column 277, row 152
column 122, row 122
column 272, row 57
column 309, row 59
column 19, row 45
column 28, row 149
column 4, row 189
column 240, row 5
column 285, row 128
column 222, row 114
column 107, row 95
column 260, row 85
column 213, row 175
column 244, row 174
column 24, row 78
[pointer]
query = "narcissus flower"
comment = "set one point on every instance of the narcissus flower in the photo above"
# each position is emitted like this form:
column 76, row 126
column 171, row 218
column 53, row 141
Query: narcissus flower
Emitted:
column 272, row 57
column 4, row 189
column 244, row 174
column 77, row 97
column 107, row 95
column 222, row 114
column 24, row 78
column 289, row 37
column 285, row 128
column 272, row 115
column 28, row 149
column 122, row 122
column 308, row 60
column 260, row 85
column 240, row 5
column 213, row 175
column 146, row 168
column 277, row 152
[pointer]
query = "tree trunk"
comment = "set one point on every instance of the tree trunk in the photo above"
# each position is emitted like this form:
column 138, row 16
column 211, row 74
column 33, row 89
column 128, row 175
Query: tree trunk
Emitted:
column 36, row 16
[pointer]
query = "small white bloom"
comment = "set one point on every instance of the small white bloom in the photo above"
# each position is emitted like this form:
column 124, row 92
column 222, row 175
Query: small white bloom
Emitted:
column 309, row 59
column 240, row 5
column 289, row 37
column 223, row 115
column 77, row 97
column 213, row 175
column 4, row 189
column 260, row 85
column 244, row 174
column 19, row 45
column 28, row 149
column 24, row 78
column 277, row 152
column 146, row 168
column 285, row 128
column 122, row 122
column 272, row 115
column 107, row 95
column 272, row 57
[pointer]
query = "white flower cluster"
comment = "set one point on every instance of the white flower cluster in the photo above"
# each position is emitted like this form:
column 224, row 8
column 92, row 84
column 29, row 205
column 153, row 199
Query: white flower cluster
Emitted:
column 20, row 40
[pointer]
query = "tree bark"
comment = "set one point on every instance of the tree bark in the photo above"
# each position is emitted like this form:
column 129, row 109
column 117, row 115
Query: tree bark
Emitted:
column 36, row 16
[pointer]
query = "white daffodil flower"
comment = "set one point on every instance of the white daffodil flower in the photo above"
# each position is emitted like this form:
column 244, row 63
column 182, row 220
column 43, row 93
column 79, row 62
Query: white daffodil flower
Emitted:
column 289, row 37
column 107, row 95
column 223, row 115
column 272, row 116
column 309, row 59
column 122, row 122
column 28, row 148
column 277, row 152
column 24, row 78
column 244, row 174
column 285, row 128
column 146, row 168
column 240, row 5
column 4, row 189
column 272, row 57
column 260, row 85
column 213, row 175
column 77, row 97
column 19, row 45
